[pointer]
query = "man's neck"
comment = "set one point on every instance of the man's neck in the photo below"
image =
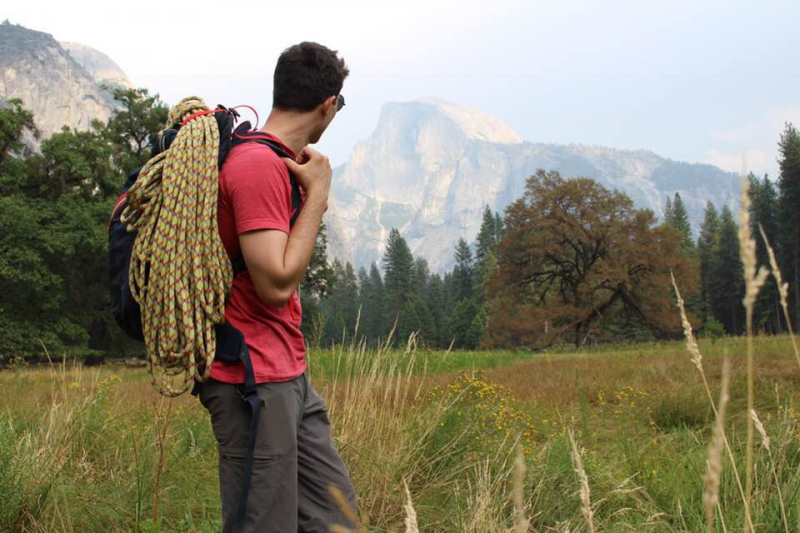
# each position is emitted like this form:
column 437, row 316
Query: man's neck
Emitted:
column 291, row 128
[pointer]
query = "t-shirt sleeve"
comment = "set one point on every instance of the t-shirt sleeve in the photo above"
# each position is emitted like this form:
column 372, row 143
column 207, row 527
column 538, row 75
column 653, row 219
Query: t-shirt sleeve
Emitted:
column 259, row 191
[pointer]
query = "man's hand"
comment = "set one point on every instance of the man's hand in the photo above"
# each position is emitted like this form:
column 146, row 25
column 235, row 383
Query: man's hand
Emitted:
column 313, row 173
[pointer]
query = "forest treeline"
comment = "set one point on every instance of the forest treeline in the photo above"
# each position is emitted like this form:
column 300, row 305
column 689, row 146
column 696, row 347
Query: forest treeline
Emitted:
column 568, row 262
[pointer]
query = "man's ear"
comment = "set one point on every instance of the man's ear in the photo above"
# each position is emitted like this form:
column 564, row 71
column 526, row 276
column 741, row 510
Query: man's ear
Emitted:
column 326, row 105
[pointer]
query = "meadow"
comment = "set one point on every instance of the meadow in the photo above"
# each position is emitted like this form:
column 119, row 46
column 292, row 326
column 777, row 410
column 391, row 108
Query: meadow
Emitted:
column 438, row 441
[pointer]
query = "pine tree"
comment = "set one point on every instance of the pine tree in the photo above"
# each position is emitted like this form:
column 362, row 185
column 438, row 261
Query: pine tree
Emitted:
column 668, row 210
column 331, row 307
column 314, row 288
column 484, row 252
column 398, row 262
column 420, row 277
column 373, row 311
column 678, row 219
column 449, row 294
column 706, row 250
column 767, row 315
column 465, row 329
column 789, row 215
column 499, row 227
column 727, row 285
column 463, row 276
column 435, row 302
column 319, row 274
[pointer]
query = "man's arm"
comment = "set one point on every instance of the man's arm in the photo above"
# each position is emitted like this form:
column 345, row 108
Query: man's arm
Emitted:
column 277, row 261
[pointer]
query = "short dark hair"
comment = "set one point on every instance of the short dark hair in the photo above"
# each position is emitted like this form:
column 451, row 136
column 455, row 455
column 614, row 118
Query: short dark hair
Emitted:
column 307, row 74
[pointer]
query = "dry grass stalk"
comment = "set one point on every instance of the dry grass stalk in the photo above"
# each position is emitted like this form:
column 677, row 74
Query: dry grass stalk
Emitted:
column 783, row 292
column 760, row 427
column 766, row 443
column 753, row 282
column 697, row 359
column 343, row 505
column 714, row 471
column 691, row 343
column 520, row 520
column 411, row 514
column 161, row 429
column 586, row 502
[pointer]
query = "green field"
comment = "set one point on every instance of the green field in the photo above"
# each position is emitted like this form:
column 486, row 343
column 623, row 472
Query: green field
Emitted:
column 99, row 450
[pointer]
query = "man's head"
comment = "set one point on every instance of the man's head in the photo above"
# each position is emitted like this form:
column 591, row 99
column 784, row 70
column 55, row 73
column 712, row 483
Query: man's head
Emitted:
column 308, row 79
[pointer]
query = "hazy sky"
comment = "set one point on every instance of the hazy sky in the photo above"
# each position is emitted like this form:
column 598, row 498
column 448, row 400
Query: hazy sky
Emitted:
column 694, row 80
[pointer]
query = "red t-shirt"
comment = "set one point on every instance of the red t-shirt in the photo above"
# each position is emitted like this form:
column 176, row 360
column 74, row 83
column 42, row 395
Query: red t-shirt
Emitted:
column 255, row 194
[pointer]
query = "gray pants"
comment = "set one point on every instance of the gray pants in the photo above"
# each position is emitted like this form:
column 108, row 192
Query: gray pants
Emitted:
column 295, row 464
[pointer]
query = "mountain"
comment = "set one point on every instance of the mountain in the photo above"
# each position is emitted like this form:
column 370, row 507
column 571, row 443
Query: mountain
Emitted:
column 51, row 82
column 430, row 167
column 101, row 67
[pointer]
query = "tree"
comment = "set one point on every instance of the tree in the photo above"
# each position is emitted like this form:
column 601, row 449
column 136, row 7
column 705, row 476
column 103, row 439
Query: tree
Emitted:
column 15, row 120
column 435, row 302
column 340, row 308
column 767, row 312
column 678, row 219
column 373, row 312
column 463, row 272
column 319, row 275
column 706, row 250
column 135, row 126
column 78, row 162
column 313, row 289
column 467, row 324
column 727, row 280
column 398, row 262
column 789, row 214
column 54, row 210
column 499, row 227
column 668, row 210
column 420, row 276
column 485, row 252
column 570, row 252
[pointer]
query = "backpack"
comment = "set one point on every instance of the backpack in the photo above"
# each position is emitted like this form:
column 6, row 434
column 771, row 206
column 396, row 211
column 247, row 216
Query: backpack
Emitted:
column 124, row 307
column 230, row 343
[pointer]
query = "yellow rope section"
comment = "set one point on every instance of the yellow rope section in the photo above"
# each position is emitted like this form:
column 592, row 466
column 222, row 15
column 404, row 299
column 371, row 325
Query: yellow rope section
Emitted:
column 173, row 207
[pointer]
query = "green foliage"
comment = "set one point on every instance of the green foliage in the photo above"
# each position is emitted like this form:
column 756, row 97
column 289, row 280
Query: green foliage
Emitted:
column 133, row 128
column 726, row 275
column 678, row 219
column 707, row 244
column 467, row 324
column 14, row 121
column 54, row 210
column 767, row 312
column 463, row 272
column 374, row 304
column 398, row 265
column 789, row 214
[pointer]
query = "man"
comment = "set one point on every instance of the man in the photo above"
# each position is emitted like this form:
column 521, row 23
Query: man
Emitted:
column 296, row 461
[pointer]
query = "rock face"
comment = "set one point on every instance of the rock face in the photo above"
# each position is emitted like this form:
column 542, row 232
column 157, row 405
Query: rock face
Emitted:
column 58, row 89
column 100, row 66
column 430, row 167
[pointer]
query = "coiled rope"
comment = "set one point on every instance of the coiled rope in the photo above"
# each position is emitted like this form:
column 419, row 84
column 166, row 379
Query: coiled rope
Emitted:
column 180, row 273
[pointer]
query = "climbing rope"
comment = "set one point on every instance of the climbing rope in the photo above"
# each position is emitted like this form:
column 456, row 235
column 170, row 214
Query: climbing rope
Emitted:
column 180, row 273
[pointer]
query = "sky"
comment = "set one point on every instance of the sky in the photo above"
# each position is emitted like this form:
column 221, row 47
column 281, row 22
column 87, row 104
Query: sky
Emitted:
column 698, row 81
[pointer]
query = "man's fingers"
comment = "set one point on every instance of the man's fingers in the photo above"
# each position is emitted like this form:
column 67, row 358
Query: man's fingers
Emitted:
column 307, row 153
column 291, row 165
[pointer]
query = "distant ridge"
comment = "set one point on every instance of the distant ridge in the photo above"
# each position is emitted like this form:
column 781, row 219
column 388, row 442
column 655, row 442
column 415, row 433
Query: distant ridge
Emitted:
column 430, row 167
column 47, row 78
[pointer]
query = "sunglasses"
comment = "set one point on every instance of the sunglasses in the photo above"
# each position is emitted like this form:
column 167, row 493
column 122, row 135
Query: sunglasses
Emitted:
column 339, row 102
